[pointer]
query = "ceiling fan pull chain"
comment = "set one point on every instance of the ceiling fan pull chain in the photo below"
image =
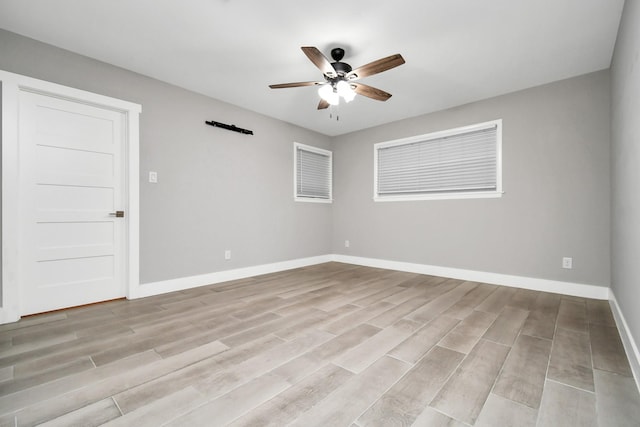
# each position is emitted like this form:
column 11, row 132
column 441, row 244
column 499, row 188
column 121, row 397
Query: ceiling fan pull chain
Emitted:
column 331, row 109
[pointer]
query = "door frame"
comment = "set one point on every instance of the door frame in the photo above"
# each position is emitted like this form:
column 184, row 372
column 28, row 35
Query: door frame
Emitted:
column 12, row 85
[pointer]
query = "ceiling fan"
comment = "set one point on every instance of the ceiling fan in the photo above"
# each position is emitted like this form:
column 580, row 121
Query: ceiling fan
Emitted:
column 341, row 79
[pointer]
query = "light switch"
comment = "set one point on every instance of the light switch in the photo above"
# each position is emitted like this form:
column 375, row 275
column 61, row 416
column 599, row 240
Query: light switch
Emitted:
column 153, row 177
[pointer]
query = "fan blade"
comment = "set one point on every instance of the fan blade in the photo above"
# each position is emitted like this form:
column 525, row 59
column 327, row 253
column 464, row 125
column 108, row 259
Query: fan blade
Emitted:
column 319, row 60
column 371, row 92
column 323, row 104
column 297, row 84
column 376, row 67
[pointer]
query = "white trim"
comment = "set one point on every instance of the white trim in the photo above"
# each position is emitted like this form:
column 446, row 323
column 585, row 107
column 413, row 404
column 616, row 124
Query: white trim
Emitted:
column 327, row 153
column 10, row 311
column 629, row 343
column 567, row 288
column 312, row 200
column 133, row 203
column 545, row 285
column 12, row 84
column 180, row 284
column 442, row 195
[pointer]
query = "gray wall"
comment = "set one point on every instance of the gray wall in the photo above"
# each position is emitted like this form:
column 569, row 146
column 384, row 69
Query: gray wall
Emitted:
column 625, row 167
column 217, row 189
column 555, row 178
column 220, row 190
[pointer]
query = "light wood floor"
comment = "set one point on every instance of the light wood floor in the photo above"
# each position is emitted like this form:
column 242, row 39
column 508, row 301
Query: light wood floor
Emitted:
column 328, row 345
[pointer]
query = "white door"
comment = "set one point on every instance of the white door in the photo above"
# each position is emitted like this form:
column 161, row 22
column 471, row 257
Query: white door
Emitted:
column 72, row 181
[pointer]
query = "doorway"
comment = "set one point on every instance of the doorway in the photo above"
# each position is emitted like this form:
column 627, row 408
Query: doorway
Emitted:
column 70, row 190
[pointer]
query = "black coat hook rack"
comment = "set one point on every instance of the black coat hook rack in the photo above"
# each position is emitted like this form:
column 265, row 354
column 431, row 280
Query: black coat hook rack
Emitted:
column 230, row 127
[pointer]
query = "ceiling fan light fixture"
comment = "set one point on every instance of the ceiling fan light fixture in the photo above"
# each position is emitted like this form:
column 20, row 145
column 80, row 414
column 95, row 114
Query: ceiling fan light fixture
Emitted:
column 327, row 93
column 334, row 99
column 345, row 90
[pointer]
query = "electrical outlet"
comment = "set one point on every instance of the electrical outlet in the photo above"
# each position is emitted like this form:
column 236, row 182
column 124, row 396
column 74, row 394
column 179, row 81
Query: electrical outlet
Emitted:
column 346, row 243
column 227, row 254
column 567, row 263
column 153, row 177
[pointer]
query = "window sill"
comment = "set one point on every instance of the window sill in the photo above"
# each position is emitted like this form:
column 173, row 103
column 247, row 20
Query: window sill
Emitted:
column 312, row 200
column 440, row 196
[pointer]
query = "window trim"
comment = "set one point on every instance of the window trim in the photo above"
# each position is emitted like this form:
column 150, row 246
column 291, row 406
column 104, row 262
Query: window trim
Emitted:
column 298, row 198
column 443, row 195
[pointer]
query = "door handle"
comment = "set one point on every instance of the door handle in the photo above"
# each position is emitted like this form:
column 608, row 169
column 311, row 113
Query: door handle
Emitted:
column 117, row 214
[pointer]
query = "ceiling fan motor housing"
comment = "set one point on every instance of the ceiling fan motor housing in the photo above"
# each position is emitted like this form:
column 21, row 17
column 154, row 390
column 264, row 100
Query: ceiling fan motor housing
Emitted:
column 342, row 68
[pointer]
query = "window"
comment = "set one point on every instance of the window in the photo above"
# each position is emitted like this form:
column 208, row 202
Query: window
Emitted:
column 312, row 175
column 464, row 162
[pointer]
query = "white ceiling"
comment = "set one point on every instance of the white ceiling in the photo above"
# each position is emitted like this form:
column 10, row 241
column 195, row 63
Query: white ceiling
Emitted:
column 456, row 51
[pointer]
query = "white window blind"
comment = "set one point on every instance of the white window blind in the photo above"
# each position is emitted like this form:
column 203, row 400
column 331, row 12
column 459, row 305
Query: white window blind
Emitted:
column 312, row 173
column 462, row 161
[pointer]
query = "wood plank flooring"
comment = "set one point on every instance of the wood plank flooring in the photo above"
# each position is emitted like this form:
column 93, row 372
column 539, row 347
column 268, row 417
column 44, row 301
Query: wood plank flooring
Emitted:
column 327, row 345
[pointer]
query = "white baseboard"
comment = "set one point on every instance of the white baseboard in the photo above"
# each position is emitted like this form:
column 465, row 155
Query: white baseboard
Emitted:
column 554, row 286
column 8, row 316
column 566, row 288
column 182, row 283
column 629, row 343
